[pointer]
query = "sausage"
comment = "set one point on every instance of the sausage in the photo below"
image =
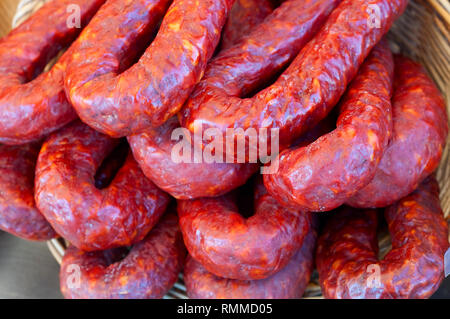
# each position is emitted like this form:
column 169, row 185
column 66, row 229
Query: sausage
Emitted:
column 153, row 148
column 419, row 136
column 18, row 213
column 324, row 174
column 148, row 270
column 33, row 105
column 119, row 101
column 347, row 259
column 288, row 283
column 232, row 246
column 153, row 151
column 244, row 16
column 313, row 83
column 90, row 218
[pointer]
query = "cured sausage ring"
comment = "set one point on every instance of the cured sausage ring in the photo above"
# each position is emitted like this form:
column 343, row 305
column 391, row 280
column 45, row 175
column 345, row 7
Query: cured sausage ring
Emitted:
column 91, row 218
column 120, row 101
column 347, row 258
column 148, row 270
column 288, row 283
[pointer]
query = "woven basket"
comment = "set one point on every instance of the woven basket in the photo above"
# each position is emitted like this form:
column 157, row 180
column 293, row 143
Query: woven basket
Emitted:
column 423, row 33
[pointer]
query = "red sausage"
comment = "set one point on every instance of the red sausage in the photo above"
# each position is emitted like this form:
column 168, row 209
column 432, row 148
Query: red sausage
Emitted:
column 288, row 283
column 18, row 213
column 187, row 180
column 231, row 246
column 314, row 82
column 347, row 250
column 148, row 270
column 324, row 174
column 111, row 165
column 89, row 218
column 153, row 151
column 33, row 105
column 120, row 101
column 244, row 16
column 419, row 136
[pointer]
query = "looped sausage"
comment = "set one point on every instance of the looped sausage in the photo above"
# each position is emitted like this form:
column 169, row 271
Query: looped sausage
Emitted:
column 231, row 246
column 148, row 270
column 288, row 283
column 153, row 151
column 32, row 106
column 324, row 174
column 419, row 136
column 122, row 102
column 347, row 258
column 89, row 218
column 18, row 213
column 313, row 83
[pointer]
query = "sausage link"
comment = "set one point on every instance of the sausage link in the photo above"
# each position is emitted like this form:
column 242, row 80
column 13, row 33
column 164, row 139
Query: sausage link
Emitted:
column 314, row 82
column 324, row 174
column 231, row 246
column 244, row 16
column 32, row 106
column 187, row 180
column 347, row 258
column 18, row 213
column 153, row 151
column 288, row 283
column 89, row 218
column 148, row 270
column 419, row 136
column 119, row 101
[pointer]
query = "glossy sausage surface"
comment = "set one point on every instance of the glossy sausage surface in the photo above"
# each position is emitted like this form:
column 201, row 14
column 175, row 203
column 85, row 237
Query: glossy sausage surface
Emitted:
column 347, row 250
column 148, row 270
column 312, row 84
column 91, row 218
column 419, row 137
column 288, row 283
column 230, row 245
column 153, row 150
column 323, row 175
column 34, row 104
column 18, row 213
column 120, row 100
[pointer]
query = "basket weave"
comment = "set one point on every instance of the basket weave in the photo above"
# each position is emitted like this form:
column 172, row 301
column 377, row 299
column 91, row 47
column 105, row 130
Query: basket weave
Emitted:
column 423, row 33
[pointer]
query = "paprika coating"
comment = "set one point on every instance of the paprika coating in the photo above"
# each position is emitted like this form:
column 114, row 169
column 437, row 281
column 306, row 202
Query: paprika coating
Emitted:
column 230, row 245
column 18, row 213
column 148, row 270
column 420, row 128
column 312, row 84
column 90, row 218
column 347, row 252
column 323, row 175
column 155, row 149
column 288, row 283
column 118, row 99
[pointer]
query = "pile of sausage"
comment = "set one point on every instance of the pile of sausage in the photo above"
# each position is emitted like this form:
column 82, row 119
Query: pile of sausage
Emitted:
column 87, row 148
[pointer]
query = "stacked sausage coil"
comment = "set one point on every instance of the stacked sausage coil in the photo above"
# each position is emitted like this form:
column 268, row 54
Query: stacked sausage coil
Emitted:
column 91, row 151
